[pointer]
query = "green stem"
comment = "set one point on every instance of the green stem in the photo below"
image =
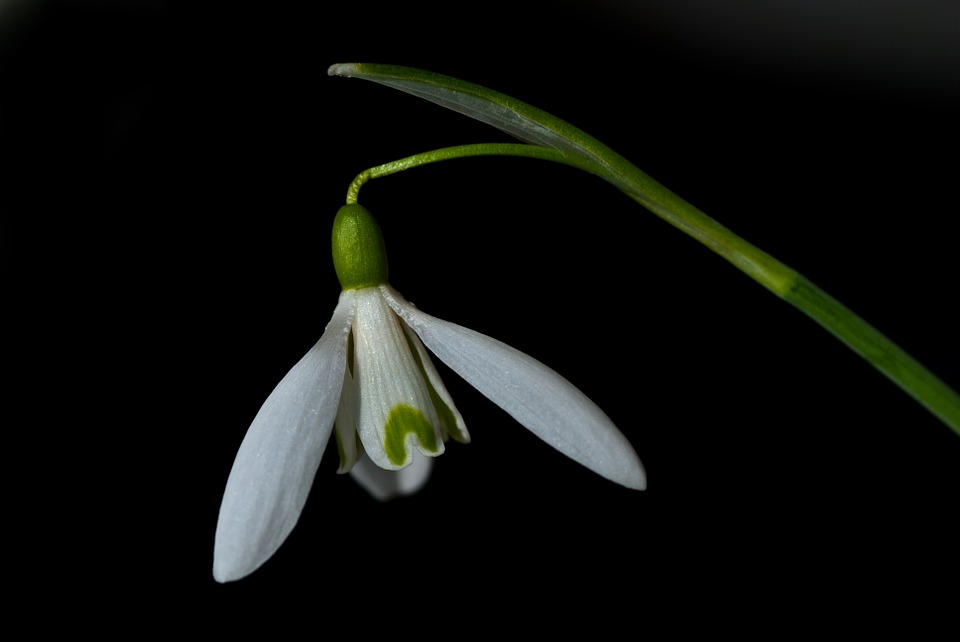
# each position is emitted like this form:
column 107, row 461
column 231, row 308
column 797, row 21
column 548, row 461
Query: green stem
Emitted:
column 555, row 140
column 791, row 286
column 887, row 357
column 466, row 151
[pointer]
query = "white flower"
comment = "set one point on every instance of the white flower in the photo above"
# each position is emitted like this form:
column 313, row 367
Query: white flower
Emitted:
column 370, row 376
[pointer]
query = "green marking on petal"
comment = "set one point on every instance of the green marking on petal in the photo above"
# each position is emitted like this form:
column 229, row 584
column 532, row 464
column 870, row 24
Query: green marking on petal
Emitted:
column 347, row 460
column 346, row 463
column 340, row 452
column 350, row 351
column 402, row 421
column 448, row 420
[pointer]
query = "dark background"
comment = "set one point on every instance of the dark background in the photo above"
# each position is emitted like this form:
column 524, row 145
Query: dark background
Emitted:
column 171, row 171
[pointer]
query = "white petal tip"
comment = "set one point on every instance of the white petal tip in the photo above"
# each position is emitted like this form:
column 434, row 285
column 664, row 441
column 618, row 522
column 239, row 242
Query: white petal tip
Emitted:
column 226, row 569
column 224, row 575
column 634, row 479
column 638, row 484
column 629, row 473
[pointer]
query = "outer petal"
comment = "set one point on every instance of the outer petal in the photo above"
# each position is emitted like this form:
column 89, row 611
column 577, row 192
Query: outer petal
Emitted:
column 536, row 396
column 386, row 484
column 279, row 456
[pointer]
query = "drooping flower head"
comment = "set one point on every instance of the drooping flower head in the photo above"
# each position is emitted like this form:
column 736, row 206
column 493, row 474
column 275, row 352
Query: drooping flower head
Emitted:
column 370, row 380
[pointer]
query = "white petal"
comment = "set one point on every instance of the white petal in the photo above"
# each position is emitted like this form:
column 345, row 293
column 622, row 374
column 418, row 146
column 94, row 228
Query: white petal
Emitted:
column 389, row 385
column 536, row 396
column 279, row 456
column 387, row 484
column 447, row 413
column 346, row 422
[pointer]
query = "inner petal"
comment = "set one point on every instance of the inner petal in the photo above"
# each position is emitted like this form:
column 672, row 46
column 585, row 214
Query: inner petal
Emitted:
column 395, row 410
column 451, row 423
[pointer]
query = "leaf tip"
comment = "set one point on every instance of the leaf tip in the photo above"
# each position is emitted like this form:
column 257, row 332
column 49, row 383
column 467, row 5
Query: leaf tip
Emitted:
column 342, row 69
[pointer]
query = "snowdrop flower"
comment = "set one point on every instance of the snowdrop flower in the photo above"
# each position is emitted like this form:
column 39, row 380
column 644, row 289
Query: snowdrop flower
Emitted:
column 370, row 381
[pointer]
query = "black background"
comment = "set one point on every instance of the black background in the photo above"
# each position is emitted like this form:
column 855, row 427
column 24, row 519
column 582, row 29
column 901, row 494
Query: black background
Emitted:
column 171, row 172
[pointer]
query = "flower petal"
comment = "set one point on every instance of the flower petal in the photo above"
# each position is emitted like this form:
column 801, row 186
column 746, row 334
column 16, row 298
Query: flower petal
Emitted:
column 396, row 415
column 386, row 484
column 536, row 396
column 279, row 456
column 345, row 425
column 451, row 422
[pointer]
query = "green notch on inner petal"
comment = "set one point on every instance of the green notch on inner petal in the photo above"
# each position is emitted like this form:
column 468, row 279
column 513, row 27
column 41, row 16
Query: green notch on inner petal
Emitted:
column 403, row 420
column 448, row 419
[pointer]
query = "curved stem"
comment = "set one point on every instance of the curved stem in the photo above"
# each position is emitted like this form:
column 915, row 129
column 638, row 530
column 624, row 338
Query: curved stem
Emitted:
column 887, row 357
column 466, row 151
column 553, row 139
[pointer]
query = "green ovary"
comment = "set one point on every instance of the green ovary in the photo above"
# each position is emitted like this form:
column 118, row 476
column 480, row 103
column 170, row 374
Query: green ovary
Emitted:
column 403, row 420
